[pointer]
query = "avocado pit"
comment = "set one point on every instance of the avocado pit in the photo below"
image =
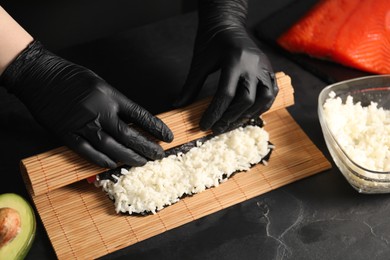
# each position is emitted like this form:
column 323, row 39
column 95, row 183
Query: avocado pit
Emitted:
column 9, row 225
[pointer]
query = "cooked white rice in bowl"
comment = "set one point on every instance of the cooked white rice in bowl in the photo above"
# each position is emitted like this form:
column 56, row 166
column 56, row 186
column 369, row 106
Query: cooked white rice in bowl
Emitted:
column 362, row 132
column 355, row 121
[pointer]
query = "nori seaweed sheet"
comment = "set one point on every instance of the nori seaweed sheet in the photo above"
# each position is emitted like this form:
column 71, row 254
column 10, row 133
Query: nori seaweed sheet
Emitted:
column 184, row 148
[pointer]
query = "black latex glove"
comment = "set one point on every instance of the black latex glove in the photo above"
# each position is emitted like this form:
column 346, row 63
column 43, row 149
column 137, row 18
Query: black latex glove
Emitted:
column 83, row 110
column 247, row 86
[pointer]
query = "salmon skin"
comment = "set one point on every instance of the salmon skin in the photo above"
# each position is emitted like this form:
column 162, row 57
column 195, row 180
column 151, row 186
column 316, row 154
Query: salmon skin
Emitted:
column 354, row 33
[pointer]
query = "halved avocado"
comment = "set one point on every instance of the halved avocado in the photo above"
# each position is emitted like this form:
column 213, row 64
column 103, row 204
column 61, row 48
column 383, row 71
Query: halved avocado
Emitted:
column 16, row 214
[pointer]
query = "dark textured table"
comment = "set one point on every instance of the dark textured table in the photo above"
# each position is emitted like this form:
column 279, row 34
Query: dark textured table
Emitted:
column 320, row 217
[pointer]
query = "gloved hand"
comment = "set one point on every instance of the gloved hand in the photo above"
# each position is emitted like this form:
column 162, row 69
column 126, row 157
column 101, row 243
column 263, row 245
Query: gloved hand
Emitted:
column 83, row 110
column 247, row 86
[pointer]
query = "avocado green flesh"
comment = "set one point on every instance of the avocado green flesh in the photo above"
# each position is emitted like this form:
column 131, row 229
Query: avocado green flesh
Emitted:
column 20, row 245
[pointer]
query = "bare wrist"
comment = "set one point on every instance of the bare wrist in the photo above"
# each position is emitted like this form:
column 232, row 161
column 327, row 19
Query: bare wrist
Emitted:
column 13, row 39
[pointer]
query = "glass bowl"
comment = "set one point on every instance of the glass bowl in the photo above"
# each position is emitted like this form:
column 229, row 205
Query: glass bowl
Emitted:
column 364, row 90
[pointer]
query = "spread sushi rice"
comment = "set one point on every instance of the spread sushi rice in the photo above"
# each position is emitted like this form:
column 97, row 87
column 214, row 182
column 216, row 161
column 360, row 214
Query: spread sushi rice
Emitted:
column 362, row 132
column 160, row 183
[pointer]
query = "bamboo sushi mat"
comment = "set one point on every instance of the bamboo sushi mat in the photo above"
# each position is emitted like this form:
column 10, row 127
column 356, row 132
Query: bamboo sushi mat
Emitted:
column 81, row 221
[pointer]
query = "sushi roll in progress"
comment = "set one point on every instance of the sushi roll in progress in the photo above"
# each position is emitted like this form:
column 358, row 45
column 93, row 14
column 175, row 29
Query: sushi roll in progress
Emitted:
column 161, row 183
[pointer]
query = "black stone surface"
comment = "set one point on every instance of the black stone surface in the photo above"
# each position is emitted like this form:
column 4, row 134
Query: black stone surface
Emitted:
column 320, row 217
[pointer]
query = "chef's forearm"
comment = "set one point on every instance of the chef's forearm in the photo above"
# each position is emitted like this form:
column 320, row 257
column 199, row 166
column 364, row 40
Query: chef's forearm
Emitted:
column 13, row 39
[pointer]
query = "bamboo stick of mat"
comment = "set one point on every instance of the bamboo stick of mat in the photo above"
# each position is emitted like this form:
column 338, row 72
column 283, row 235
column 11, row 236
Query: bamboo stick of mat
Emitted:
column 59, row 167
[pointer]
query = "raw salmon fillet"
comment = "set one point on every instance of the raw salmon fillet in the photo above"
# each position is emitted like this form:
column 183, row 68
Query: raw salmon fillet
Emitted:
column 354, row 33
